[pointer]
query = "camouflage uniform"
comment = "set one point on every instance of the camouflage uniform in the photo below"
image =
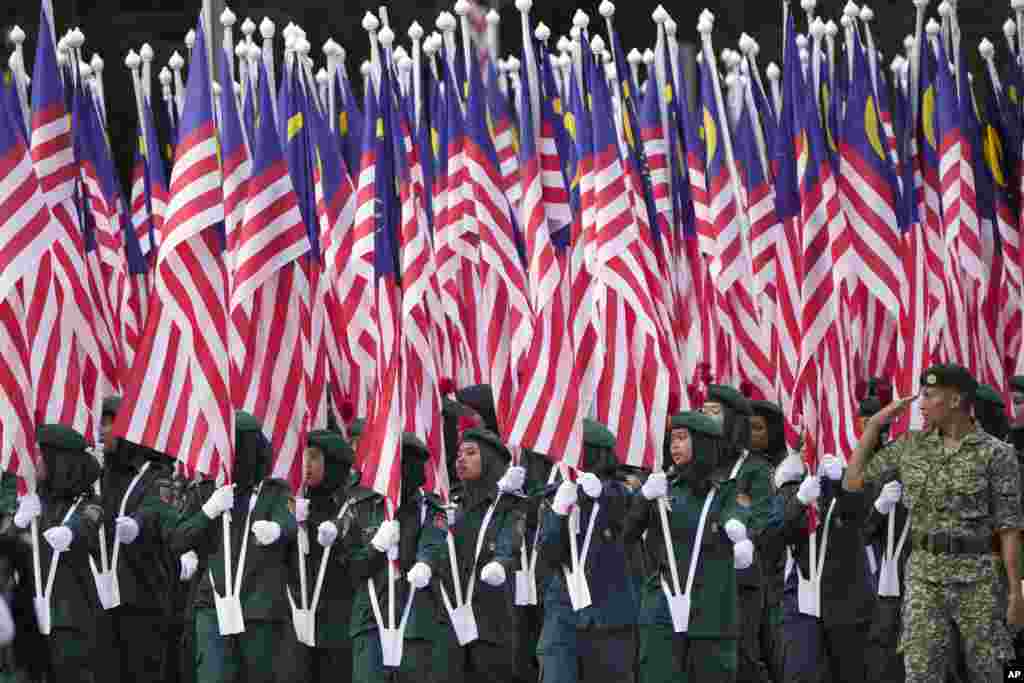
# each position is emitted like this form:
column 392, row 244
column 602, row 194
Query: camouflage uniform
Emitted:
column 967, row 493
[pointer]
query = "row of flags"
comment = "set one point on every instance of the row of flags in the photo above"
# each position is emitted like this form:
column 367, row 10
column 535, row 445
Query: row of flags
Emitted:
column 586, row 244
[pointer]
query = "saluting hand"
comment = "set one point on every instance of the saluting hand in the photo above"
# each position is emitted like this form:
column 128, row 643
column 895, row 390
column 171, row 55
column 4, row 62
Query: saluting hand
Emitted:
column 889, row 414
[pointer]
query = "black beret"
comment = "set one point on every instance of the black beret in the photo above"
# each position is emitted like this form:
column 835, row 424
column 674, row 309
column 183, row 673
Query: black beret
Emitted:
column 333, row 445
column 768, row 409
column 486, row 436
column 60, row 436
column 870, row 405
column 989, row 395
column 726, row 395
column 480, row 398
column 413, row 446
column 696, row 422
column 111, row 404
column 950, row 376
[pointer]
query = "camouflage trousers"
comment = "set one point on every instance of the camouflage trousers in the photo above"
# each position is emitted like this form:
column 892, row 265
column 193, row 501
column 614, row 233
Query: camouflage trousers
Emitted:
column 977, row 610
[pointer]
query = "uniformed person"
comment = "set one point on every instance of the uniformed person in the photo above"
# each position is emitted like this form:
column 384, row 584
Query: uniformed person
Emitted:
column 962, row 488
column 708, row 650
column 491, row 494
column 990, row 412
column 597, row 642
column 416, row 537
column 69, row 516
column 328, row 460
column 1016, row 431
column 140, row 522
column 753, row 473
column 259, row 508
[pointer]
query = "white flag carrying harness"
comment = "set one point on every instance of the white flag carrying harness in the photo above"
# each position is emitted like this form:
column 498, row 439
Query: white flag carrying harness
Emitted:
column 678, row 600
column 230, row 620
column 809, row 589
column 526, row 577
column 462, row 615
column 105, row 578
column 889, row 573
column 41, row 602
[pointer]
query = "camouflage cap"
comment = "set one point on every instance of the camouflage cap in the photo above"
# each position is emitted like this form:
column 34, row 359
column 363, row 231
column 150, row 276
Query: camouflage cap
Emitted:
column 333, row 445
column 950, row 376
column 730, row 396
column 486, row 436
column 111, row 404
column 596, row 435
column 60, row 436
column 988, row 394
column 696, row 422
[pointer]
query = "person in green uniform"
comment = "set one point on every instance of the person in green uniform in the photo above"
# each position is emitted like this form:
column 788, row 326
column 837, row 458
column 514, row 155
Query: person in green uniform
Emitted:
column 259, row 510
column 140, row 522
column 69, row 515
column 962, row 489
column 753, row 474
column 990, row 412
column 1015, row 435
column 328, row 460
column 703, row 518
column 490, row 493
column 414, row 537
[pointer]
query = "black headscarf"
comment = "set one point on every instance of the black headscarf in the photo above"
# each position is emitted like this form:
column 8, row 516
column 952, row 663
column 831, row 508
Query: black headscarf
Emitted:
column 414, row 461
column 707, row 455
column 493, row 463
column 68, row 473
column 252, row 456
column 776, row 450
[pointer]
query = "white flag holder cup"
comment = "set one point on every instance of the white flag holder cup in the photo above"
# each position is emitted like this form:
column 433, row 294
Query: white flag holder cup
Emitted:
column 41, row 602
column 678, row 600
column 230, row 619
column 107, row 586
column 888, row 572
column 809, row 589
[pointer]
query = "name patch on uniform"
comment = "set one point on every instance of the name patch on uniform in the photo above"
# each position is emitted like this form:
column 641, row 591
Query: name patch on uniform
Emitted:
column 1013, row 671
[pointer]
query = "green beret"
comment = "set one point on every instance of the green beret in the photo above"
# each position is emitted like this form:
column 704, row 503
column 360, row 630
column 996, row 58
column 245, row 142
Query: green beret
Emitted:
column 767, row 409
column 411, row 445
column 486, row 436
column 869, row 406
column 355, row 430
column 111, row 404
column 726, row 395
column 950, row 376
column 596, row 435
column 696, row 422
column 989, row 395
column 59, row 436
column 1017, row 383
column 246, row 423
column 333, row 445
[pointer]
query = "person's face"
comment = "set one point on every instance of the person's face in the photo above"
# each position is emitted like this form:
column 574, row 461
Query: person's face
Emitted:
column 314, row 467
column 937, row 405
column 758, row 433
column 107, row 432
column 680, row 447
column 468, row 466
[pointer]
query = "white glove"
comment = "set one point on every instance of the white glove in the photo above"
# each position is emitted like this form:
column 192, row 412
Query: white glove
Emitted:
column 513, row 479
column 301, row 509
column 127, row 530
column 810, row 490
column 29, row 507
column 493, row 574
column 891, row 494
column 59, row 538
column 221, row 501
column 831, row 467
column 655, row 487
column 565, row 497
column 266, row 532
column 591, row 485
column 387, row 536
column 789, row 470
column 419, row 575
column 743, row 554
column 6, row 623
column 189, row 564
column 736, row 530
column 327, row 533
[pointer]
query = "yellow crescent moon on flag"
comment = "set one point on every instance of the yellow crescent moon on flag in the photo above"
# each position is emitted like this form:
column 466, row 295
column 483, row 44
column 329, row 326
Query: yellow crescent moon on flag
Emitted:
column 826, row 109
column 802, row 157
column 570, row 124
column 993, row 151
column 1011, row 92
column 871, row 128
column 928, row 116
column 710, row 135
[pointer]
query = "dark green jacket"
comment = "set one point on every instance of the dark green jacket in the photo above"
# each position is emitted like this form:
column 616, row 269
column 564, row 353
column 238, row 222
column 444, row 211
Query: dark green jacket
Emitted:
column 74, row 602
column 266, row 567
column 143, row 575
column 493, row 606
column 423, row 525
column 714, row 600
column 755, row 479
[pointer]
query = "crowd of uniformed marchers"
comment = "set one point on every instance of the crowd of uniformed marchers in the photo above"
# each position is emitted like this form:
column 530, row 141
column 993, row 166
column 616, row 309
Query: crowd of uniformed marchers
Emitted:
column 733, row 563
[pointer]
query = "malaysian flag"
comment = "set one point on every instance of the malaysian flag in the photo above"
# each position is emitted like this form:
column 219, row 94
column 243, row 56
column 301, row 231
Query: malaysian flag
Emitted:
column 177, row 399
column 504, row 135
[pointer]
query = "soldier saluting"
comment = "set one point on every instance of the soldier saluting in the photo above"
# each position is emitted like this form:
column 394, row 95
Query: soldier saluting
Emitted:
column 962, row 489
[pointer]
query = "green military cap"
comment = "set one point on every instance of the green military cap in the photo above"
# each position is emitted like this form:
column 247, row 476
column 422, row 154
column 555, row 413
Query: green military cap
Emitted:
column 355, row 429
column 696, row 422
column 412, row 445
column 246, row 423
column 60, row 436
column 1017, row 383
column 332, row 444
column 486, row 436
column 768, row 409
column 726, row 395
column 596, row 435
column 989, row 395
column 950, row 376
column 869, row 406
column 111, row 404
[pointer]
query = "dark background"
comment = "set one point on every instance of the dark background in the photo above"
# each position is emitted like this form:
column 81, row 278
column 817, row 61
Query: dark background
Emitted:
column 112, row 27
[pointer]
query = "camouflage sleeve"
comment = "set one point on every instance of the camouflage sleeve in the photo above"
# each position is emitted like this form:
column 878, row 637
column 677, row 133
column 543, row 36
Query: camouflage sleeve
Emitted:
column 888, row 458
column 1004, row 484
